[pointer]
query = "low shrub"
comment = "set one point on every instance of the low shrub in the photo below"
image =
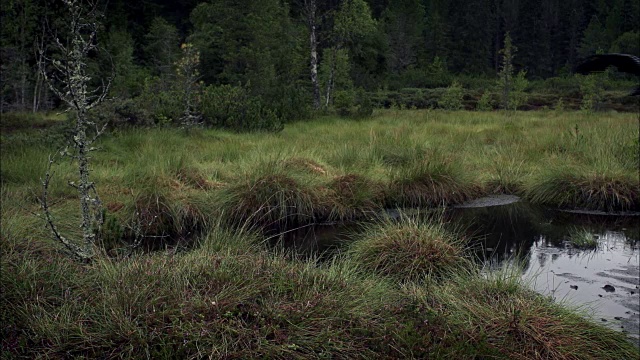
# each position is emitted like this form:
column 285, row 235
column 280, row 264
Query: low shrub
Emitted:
column 122, row 113
column 452, row 97
column 484, row 103
column 234, row 108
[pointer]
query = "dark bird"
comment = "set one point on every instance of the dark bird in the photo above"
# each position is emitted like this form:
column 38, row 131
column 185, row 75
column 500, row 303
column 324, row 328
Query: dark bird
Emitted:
column 623, row 62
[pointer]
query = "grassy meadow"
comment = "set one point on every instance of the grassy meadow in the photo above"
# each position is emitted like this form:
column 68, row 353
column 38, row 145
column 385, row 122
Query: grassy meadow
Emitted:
column 204, row 283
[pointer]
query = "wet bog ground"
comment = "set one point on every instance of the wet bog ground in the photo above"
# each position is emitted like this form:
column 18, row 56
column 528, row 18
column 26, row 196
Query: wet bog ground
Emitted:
column 603, row 282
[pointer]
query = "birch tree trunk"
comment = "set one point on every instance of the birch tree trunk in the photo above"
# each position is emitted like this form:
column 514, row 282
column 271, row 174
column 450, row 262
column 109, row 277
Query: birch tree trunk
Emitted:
column 332, row 73
column 310, row 7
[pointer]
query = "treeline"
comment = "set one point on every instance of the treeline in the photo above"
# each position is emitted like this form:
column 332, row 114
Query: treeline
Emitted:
column 275, row 60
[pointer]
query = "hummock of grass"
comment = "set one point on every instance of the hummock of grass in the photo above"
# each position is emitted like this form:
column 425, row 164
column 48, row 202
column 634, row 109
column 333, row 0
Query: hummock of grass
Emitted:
column 429, row 183
column 408, row 250
column 230, row 298
column 569, row 188
column 494, row 315
column 355, row 195
column 269, row 196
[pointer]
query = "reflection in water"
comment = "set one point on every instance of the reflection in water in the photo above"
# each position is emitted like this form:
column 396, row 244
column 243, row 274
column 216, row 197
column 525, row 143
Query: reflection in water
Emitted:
column 537, row 240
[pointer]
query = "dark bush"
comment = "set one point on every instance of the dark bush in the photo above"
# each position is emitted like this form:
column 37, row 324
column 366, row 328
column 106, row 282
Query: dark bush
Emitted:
column 343, row 101
column 121, row 113
column 290, row 102
column 161, row 101
column 234, row 108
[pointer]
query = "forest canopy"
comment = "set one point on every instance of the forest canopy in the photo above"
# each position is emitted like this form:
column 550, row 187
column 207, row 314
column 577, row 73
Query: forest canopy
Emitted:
column 255, row 55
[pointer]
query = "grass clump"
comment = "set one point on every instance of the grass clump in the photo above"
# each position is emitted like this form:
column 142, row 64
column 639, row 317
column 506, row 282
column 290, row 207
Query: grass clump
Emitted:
column 355, row 195
column 495, row 315
column 269, row 196
column 568, row 188
column 408, row 250
column 429, row 183
column 226, row 299
column 583, row 239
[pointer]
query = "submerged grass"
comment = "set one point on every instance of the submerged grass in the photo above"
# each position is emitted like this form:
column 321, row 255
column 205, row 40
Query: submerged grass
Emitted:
column 583, row 239
column 228, row 297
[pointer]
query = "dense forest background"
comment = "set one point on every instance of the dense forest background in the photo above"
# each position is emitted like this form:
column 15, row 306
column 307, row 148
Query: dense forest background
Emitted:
column 254, row 57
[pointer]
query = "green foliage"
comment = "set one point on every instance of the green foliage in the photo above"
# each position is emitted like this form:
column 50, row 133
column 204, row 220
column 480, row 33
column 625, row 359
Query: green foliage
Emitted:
column 334, row 72
column 122, row 113
column 594, row 39
column 505, row 76
column 234, row 108
column 188, row 84
column 161, row 99
column 559, row 105
column 484, row 103
column 353, row 21
column 353, row 103
column 438, row 73
column 627, row 43
column 129, row 77
column 452, row 97
column 364, row 105
column 518, row 96
column 343, row 100
column 290, row 102
column 162, row 47
column 591, row 89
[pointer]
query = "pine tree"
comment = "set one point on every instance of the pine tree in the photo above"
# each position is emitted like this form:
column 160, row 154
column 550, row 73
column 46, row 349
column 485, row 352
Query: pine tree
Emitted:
column 505, row 76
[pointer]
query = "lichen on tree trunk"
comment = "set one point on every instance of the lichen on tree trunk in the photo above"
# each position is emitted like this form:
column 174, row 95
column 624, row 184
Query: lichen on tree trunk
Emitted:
column 69, row 69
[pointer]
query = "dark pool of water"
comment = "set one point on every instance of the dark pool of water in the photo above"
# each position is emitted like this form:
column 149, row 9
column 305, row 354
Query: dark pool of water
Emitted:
column 604, row 282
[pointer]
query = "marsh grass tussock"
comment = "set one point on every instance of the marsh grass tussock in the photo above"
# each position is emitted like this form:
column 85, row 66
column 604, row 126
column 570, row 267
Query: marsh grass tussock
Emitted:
column 408, row 249
column 354, row 195
column 429, row 183
column 565, row 187
column 269, row 196
column 495, row 314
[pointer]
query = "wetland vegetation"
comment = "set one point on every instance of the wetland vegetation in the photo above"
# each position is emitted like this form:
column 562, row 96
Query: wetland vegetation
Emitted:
column 204, row 282
column 234, row 126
